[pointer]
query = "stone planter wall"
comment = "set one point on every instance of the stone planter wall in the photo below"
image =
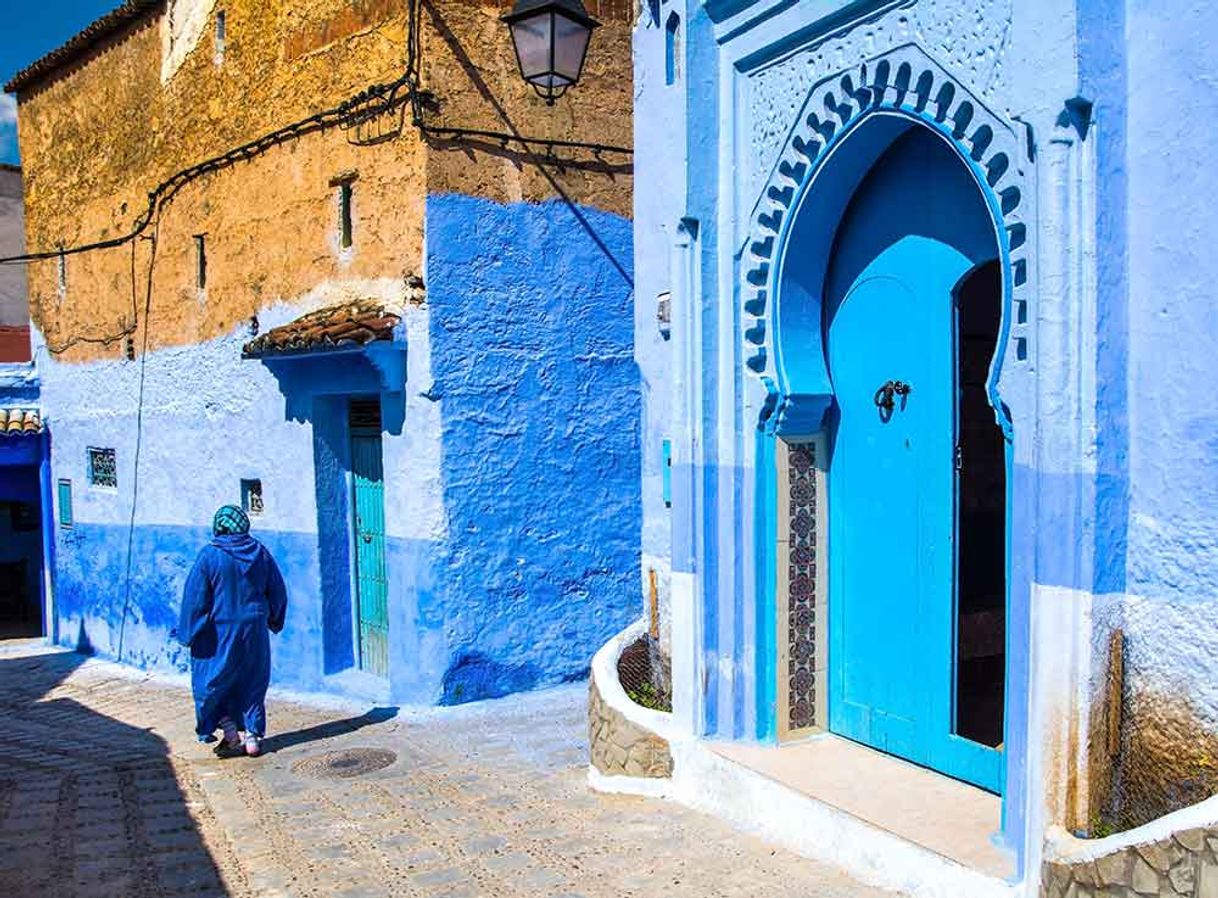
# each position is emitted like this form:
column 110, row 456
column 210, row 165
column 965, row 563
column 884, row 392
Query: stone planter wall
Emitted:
column 618, row 747
column 1181, row 865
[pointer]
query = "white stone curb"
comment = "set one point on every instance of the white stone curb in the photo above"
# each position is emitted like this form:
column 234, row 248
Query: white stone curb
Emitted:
column 1063, row 848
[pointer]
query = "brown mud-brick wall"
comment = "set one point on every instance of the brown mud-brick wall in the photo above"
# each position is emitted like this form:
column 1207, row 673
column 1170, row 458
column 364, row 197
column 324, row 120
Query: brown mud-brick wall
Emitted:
column 1185, row 865
column 99, row 133
column 618, row 747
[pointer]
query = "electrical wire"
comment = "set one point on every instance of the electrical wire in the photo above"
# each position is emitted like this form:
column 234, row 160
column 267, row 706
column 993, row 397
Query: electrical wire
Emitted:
column 372, row 100
column 171, row 185
column 139, row 440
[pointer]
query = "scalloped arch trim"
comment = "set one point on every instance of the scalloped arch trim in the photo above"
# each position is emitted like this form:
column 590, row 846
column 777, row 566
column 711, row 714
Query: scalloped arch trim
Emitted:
column 907, row 81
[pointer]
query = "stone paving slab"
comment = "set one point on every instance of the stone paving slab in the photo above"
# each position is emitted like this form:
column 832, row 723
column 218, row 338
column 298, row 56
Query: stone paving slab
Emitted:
column 105, row 793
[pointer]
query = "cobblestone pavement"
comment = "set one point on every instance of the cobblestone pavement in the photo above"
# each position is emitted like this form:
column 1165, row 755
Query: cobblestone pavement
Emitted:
column 105, row 793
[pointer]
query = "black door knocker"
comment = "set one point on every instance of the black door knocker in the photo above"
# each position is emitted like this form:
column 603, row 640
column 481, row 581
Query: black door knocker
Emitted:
column 884, row 397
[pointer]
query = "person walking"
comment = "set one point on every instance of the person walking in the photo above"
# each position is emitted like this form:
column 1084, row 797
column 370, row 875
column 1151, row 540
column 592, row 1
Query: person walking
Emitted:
column 234, row 599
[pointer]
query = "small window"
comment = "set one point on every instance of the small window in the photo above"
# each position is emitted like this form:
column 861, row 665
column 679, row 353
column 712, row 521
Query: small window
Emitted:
column 344, row 214
column 672, row 49
column 200, row 262
column 103, row 468
column 61, row 274
column 251, row 497
column 221, row 35
column 65, row 503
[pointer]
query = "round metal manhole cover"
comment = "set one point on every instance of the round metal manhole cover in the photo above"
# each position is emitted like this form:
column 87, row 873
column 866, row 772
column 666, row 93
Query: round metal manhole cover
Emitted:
column 346, row 763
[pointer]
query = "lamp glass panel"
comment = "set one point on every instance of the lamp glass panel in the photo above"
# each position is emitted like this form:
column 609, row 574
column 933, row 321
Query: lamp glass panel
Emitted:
column 532, row 37
column 570, row 46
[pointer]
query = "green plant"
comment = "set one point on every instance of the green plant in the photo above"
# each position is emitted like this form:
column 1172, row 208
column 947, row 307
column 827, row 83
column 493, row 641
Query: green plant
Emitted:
column 647, row 696
column 1101, row 828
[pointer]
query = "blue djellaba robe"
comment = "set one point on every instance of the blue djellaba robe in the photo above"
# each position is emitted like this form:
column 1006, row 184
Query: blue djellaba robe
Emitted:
column 234, row 599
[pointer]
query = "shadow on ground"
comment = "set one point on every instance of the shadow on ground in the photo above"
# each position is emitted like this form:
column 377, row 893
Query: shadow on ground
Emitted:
column 89, row 805
column 279, row 741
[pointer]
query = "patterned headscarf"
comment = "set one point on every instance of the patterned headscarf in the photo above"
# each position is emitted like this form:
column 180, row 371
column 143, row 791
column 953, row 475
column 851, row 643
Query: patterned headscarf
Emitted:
column 230, row 520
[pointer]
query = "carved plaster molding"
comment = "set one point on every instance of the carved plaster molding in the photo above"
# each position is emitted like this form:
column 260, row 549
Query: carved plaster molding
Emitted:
column 907, row 82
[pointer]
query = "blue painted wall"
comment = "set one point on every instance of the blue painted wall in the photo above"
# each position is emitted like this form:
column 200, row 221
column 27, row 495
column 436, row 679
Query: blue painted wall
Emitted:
column 511, row 469
column 532, row 356
column 1172, row 318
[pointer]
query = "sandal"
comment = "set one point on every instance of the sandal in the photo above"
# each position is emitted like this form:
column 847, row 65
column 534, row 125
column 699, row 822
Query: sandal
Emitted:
column 224, row 749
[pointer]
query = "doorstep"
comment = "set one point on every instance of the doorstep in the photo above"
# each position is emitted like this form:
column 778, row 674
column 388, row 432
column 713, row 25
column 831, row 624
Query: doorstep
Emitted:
column 885, row 821
column 943, row 815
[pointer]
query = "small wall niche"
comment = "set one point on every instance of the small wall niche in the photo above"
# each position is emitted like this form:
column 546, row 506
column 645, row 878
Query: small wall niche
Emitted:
column 251, row 497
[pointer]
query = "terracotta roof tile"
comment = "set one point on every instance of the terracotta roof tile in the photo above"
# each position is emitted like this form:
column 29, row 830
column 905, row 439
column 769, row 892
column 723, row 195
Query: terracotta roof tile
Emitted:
column 346, row 326
column 111, row 22
column 16, row 422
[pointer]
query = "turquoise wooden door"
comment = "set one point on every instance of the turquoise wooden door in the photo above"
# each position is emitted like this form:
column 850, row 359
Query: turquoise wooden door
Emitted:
column 892, row 517
column 372, row 605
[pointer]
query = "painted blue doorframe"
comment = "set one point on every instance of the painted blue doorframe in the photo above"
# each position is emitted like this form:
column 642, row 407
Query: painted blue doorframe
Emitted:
column 846, row 122
column 915, row 228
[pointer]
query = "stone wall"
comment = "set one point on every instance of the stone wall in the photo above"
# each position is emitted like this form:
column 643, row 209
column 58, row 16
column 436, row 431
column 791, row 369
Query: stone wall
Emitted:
column 618, row 747
column 1183, row 865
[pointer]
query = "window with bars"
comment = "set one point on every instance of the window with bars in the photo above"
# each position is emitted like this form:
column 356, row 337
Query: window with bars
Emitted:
column 103, row 468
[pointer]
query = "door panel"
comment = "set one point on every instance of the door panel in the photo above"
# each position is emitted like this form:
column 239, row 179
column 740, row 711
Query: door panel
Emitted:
column 372, row 606
column 885, row 528
column 892, row 510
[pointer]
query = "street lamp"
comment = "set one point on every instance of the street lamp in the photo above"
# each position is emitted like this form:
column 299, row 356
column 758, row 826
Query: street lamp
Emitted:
column 551, row 41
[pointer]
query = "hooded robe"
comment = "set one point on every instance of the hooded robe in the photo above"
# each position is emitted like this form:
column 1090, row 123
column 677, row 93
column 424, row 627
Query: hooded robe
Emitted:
column 234, row 599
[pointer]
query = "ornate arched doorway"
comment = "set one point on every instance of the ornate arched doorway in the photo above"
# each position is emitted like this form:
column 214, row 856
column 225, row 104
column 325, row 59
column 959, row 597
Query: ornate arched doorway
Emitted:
column 895, row 182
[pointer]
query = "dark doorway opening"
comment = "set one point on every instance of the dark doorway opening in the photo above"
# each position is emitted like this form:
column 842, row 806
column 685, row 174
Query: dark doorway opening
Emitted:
column 981, row 514
column 21, row 562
